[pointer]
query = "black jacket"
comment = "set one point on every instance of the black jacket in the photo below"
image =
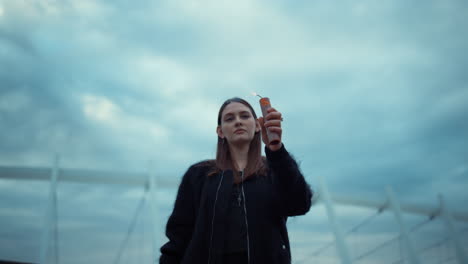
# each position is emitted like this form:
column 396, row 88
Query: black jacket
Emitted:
column 196, row 226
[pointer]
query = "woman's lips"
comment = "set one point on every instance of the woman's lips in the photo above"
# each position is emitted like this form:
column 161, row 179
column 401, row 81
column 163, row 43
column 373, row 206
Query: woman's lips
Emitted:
column 238, row 131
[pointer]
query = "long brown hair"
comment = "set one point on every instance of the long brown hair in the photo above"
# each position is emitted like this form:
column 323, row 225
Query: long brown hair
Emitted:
column 255, row 161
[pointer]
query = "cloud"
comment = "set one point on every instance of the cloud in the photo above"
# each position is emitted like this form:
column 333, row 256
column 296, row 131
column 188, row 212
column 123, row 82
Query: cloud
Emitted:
column 372, row 95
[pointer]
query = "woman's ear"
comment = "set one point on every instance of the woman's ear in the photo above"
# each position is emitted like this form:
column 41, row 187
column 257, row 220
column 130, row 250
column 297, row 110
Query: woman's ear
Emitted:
column 219, row 131
column 258, row 127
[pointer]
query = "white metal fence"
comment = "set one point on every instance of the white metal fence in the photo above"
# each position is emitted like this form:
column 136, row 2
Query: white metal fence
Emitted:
column 436, row 236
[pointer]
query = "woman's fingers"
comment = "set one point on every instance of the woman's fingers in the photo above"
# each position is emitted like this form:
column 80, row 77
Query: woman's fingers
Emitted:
column 273, row 122
column 274, row 116
column 272, row 109
column 275, row 129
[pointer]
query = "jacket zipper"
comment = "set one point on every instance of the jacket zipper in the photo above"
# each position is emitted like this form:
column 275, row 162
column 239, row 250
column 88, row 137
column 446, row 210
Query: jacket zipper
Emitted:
column 214, row 213
column 245, row 217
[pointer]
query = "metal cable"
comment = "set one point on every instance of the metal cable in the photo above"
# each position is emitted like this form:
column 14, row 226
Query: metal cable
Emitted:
column 131, row 227
column 386, row 243
column 141, row 241
column 431, row 246
column 353, row 229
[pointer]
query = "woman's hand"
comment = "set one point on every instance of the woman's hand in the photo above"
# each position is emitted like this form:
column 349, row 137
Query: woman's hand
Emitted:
column 272, row 123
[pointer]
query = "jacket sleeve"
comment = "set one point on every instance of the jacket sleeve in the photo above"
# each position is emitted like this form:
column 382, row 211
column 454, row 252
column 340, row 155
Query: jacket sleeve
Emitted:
column 295, row 195
column 180, row 225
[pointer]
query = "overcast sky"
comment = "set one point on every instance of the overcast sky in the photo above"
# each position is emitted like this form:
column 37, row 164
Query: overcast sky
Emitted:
column 372, row 94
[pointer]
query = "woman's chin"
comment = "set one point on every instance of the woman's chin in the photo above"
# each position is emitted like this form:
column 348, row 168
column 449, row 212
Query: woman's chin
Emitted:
column 241, row 141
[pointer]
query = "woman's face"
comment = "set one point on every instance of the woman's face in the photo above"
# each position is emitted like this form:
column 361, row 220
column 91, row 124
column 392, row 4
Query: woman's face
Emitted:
column 238, row 125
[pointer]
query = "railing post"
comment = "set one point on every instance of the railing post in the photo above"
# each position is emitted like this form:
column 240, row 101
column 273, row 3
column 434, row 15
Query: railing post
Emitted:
column 50, row 217
column 408, row 244
column 341, row 245
column 452, row 232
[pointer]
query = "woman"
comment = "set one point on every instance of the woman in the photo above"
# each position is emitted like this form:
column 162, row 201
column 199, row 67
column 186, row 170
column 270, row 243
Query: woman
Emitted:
column 234, row 209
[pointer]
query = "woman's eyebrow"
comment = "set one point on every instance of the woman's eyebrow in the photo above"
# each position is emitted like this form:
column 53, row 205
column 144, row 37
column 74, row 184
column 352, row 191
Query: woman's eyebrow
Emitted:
column 240, row 112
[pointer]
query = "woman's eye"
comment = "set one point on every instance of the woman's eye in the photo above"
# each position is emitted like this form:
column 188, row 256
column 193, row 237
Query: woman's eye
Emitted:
column 228, row 119
column 245, row 116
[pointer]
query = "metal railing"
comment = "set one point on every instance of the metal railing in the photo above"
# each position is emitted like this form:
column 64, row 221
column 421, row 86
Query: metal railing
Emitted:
column 151, row 183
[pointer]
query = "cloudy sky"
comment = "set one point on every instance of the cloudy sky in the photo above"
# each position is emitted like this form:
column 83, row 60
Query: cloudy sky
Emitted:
column 372, row 93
